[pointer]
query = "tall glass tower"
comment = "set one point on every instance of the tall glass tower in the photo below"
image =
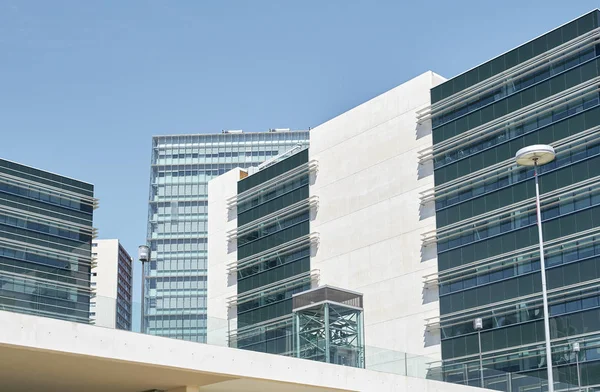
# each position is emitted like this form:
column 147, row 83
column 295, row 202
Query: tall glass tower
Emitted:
column 175, row 279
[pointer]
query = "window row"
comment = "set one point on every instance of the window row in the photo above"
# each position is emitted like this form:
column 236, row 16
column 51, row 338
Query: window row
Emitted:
column 46, row 209
column 55, row 198
column 274, row 296
column 195, row 302
column 522, row 99
column 225, row 154
column 54, row 229
column 518, row 84
column 577, row 151
column 516, row 56
column 187, row 323
column 179, row 227
column 57, row 243
column 272, row 192
column 24, row 268
column 518, row 239
column 271, row 310
column 504, row 290
column 506, row 151
column 180, row 282
column 522, row 334
column 178, row 245
column 524, row 312
column 272, row 262
column 273, row 171
column 275, row 239
column 273, row 275
column 182, row 266
column 582, row 170
column 49, row 259
column 561, row 111
column 504, row 223
column 268, row 229
column 273, row 205
column 479, row 276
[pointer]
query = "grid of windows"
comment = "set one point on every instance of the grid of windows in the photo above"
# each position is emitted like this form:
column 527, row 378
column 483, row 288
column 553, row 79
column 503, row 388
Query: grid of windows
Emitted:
column 486, row 231
column 272, row 280
column 182, row 165
column 45, row 243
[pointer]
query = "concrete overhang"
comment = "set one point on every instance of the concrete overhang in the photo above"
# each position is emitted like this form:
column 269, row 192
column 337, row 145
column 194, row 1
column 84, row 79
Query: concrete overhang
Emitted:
column 41, row 354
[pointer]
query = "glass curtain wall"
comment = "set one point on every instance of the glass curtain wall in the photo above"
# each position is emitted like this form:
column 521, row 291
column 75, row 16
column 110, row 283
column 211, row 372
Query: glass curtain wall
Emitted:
column 543, row 92
column 182, row 165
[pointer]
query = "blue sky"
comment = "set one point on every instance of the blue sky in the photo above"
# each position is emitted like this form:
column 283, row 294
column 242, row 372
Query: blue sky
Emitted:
column 84, row 85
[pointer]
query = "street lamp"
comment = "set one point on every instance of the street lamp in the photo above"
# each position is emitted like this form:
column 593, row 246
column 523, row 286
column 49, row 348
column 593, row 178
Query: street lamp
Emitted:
column 143, row 257
column 478, row 326
column 576, row 350
column 535, row 156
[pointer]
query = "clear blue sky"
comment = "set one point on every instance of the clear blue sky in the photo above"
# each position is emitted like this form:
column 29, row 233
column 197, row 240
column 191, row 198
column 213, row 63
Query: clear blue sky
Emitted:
column 84, row 85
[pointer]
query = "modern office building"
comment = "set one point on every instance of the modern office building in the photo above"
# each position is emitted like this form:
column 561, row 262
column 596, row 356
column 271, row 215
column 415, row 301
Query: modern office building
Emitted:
column 45, row 243
column 112, row 281
column 545, row 91
column 182, row 165
column 322, row 247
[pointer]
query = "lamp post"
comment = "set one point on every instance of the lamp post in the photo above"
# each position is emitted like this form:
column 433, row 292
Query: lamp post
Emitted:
column 143, row 257
column 576, row 350
column 535, row 156
column 478, row 326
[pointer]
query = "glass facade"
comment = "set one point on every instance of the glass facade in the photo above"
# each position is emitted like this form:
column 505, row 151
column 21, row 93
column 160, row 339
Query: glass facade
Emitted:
column 273, row 249
column 543, row 92
column 45, row 243
column 182, row 165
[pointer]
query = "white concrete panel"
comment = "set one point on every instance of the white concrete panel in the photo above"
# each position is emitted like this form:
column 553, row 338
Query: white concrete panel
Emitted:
column 104, row 281
column 370, row 219
column 221, row 285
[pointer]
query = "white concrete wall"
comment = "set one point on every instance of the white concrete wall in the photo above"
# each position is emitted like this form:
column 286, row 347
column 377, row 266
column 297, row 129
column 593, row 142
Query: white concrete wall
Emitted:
column 107, row 257
column 221, row 285
column 369, row 217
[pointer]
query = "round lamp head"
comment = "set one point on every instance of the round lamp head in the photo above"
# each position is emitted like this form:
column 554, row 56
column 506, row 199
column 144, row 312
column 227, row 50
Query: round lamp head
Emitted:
column 143, row 253
column 539, row 154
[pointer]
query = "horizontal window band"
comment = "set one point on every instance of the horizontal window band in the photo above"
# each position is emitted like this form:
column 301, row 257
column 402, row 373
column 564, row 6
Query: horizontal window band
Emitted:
column 49, row 189
column 547, row 200
column 515, row 210
column 522, row 69
column 283, row 249
column 54, row 277
column 46, row 220
column 472, row 313
column 26, row 247
column 537, row 307
column 84, row 317
column 241, row 212
column 245, row 332
column 579, row 51
column 523, row 257
column 274, row 287
column 578, row 141
column 167, row 200
column 527, row 351
column 556, row 116
column 289, row 211
column 47, row 283
column 288, row 176
column 514, row 118
column 77, row 249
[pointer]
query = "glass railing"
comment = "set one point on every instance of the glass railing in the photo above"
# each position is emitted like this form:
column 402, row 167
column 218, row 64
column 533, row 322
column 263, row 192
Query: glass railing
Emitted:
column 195, row 326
